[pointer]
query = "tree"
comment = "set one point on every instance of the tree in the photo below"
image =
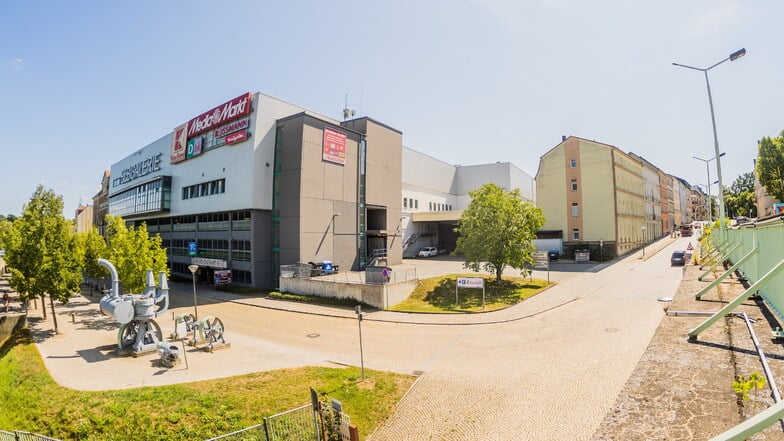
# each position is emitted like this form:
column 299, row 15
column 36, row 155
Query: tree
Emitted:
column 497, row 230
column 94, row 248
column 770, row 165
column 133, row 251
column 43, row 252
column 744, row 182
column 739, row 198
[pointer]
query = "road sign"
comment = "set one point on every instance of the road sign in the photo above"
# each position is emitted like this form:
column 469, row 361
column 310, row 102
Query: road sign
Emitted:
column 192, row 248
column 689, row 248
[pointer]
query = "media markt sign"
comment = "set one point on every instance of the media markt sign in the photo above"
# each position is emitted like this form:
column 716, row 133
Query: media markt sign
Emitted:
column 214, row 263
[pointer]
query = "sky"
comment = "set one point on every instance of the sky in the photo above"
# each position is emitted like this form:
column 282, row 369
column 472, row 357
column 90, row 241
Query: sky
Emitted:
column 83, row 84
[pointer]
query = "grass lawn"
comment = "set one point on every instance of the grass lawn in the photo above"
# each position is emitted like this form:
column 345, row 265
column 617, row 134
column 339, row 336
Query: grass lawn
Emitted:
column 33, row 402
column 437, row 294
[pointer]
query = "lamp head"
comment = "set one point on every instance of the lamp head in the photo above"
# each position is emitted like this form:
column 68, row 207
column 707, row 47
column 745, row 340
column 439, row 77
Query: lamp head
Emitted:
column 737, row 54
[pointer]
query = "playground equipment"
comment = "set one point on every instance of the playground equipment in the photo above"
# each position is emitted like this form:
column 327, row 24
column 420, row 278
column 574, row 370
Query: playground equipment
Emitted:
column 139, row 333
column 209, row 330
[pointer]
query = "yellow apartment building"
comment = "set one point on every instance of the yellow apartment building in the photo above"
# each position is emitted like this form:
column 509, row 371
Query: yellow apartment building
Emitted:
column 593, row 194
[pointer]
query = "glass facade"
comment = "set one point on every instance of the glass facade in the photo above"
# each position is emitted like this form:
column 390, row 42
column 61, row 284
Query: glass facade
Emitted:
column 149, row 197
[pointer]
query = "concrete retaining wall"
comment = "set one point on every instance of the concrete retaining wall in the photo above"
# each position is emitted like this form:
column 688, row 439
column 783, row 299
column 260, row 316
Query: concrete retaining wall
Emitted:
column 377, row 296
column 9, row 322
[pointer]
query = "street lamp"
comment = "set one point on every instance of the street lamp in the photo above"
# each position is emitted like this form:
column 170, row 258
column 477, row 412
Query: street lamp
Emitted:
column 733, row 56
column 193, row 269
column 707, row 168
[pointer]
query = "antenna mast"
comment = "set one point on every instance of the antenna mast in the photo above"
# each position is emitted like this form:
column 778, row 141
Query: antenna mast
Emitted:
column 347, row 113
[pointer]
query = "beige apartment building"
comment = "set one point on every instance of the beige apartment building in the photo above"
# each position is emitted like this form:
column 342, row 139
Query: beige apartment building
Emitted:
column 596, row 197
column 593, row 193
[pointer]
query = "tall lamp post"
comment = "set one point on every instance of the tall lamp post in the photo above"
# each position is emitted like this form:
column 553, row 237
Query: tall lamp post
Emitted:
column 707, row 168
column 732, row 57
column 193, row 269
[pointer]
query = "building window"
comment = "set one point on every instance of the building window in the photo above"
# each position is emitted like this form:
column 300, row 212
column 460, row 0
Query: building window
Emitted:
column 416, row 203
column 575, row 209
column 574, row 184
column 572, row 163
column 576, row 234
column 405, row 203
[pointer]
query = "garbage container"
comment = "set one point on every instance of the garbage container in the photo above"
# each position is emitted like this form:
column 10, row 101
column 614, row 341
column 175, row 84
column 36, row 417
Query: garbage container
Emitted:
column 553, row 254
column 326, row 266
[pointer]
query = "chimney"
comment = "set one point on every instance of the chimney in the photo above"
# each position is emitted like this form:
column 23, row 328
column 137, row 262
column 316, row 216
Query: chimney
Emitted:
column 563, row 138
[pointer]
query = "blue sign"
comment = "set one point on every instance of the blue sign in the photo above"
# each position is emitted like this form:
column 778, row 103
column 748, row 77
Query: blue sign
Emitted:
column 191, row 248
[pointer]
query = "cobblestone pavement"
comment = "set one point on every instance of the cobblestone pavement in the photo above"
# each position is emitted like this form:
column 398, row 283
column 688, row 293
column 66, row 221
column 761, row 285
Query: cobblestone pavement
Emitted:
column 550, row 376
column 550, row 368
column 682, row 390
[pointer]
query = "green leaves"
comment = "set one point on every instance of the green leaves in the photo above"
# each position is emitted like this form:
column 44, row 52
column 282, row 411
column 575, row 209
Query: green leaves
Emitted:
column 770, row 165
column 497, row 229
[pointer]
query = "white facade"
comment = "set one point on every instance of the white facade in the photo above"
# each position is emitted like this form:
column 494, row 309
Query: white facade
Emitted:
column 441, row 189
column 248, row 161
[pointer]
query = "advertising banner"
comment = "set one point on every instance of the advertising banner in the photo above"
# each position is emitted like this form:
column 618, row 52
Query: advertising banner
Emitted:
column 334, row 146
column 194, row 147
column 179, row 137
column 236, row 137
column 228, row 111
column 222, row 277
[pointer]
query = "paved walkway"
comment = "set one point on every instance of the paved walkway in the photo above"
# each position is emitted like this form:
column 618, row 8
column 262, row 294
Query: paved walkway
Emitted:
column 527, row 372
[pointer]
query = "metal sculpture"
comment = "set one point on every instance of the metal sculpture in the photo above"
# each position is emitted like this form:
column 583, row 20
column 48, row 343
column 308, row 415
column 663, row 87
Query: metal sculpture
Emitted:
column 209, row 330
column 139, row 333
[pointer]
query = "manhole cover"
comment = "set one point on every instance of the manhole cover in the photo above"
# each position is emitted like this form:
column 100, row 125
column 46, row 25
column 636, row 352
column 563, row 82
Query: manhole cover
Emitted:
column 314, row 335
column 611, row 330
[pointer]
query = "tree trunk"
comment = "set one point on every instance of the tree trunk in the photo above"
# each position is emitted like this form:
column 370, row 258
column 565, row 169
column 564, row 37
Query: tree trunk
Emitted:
column 498, row 272
column 54, row 316
column 43, row 305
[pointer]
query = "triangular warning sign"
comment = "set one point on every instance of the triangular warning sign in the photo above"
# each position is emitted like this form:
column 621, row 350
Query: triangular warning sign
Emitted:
column 690, row 248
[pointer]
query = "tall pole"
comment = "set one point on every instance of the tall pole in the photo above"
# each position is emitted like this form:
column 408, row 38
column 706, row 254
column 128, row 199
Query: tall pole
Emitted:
column 722, row 227
column 193, row 269
column 710, row 207
column 732, row 57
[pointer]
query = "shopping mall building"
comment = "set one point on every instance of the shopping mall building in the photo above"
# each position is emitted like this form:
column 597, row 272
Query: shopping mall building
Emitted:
column 255, row 183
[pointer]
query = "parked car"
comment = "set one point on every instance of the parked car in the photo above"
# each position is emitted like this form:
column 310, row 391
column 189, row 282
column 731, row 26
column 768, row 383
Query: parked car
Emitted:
column 678, row 258
column 428, row 252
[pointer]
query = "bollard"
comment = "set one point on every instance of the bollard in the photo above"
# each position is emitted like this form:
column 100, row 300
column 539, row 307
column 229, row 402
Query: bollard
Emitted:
column 73, row 318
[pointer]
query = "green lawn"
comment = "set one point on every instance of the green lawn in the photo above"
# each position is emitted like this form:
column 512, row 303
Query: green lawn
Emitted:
column 437, row 294
column 32, row 401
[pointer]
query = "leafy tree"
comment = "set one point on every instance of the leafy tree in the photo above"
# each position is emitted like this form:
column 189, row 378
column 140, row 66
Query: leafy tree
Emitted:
column 770, row 165
column 739, row 198
column 744, row 182
column 94, row 248
column 133, row 251
column 497, row 230
column 43, row 253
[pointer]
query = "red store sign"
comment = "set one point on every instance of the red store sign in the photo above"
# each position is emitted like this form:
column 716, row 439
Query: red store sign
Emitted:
column 228, row 111
column 237, row 137
column 232, row 127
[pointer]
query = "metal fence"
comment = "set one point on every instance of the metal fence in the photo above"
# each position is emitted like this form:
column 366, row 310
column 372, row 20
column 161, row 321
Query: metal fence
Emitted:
column 303, row 271
column 252, row 433
column 304, row 424
column 23, row 436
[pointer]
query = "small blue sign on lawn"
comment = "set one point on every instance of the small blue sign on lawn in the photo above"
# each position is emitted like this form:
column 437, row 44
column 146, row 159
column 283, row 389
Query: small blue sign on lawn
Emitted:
column 191, row 248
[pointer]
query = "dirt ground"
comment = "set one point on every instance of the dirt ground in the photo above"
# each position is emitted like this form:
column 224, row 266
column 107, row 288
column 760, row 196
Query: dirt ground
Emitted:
column 682, row 390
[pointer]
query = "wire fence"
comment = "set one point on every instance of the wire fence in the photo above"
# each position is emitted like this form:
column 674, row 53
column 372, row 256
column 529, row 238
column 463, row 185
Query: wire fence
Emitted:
column 19, row 435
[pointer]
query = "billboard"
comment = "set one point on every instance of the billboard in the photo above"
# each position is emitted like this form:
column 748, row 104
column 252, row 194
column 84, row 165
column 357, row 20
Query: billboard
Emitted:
column 223, row 119
column 334, row 146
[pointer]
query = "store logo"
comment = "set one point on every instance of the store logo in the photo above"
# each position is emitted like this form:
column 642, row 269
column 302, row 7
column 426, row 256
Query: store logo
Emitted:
column 178, row 143
column 226, row 112
column 236, row 137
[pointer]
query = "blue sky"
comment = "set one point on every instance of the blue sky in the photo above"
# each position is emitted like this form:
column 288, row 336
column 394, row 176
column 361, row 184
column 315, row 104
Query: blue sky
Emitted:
column 84, row 84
